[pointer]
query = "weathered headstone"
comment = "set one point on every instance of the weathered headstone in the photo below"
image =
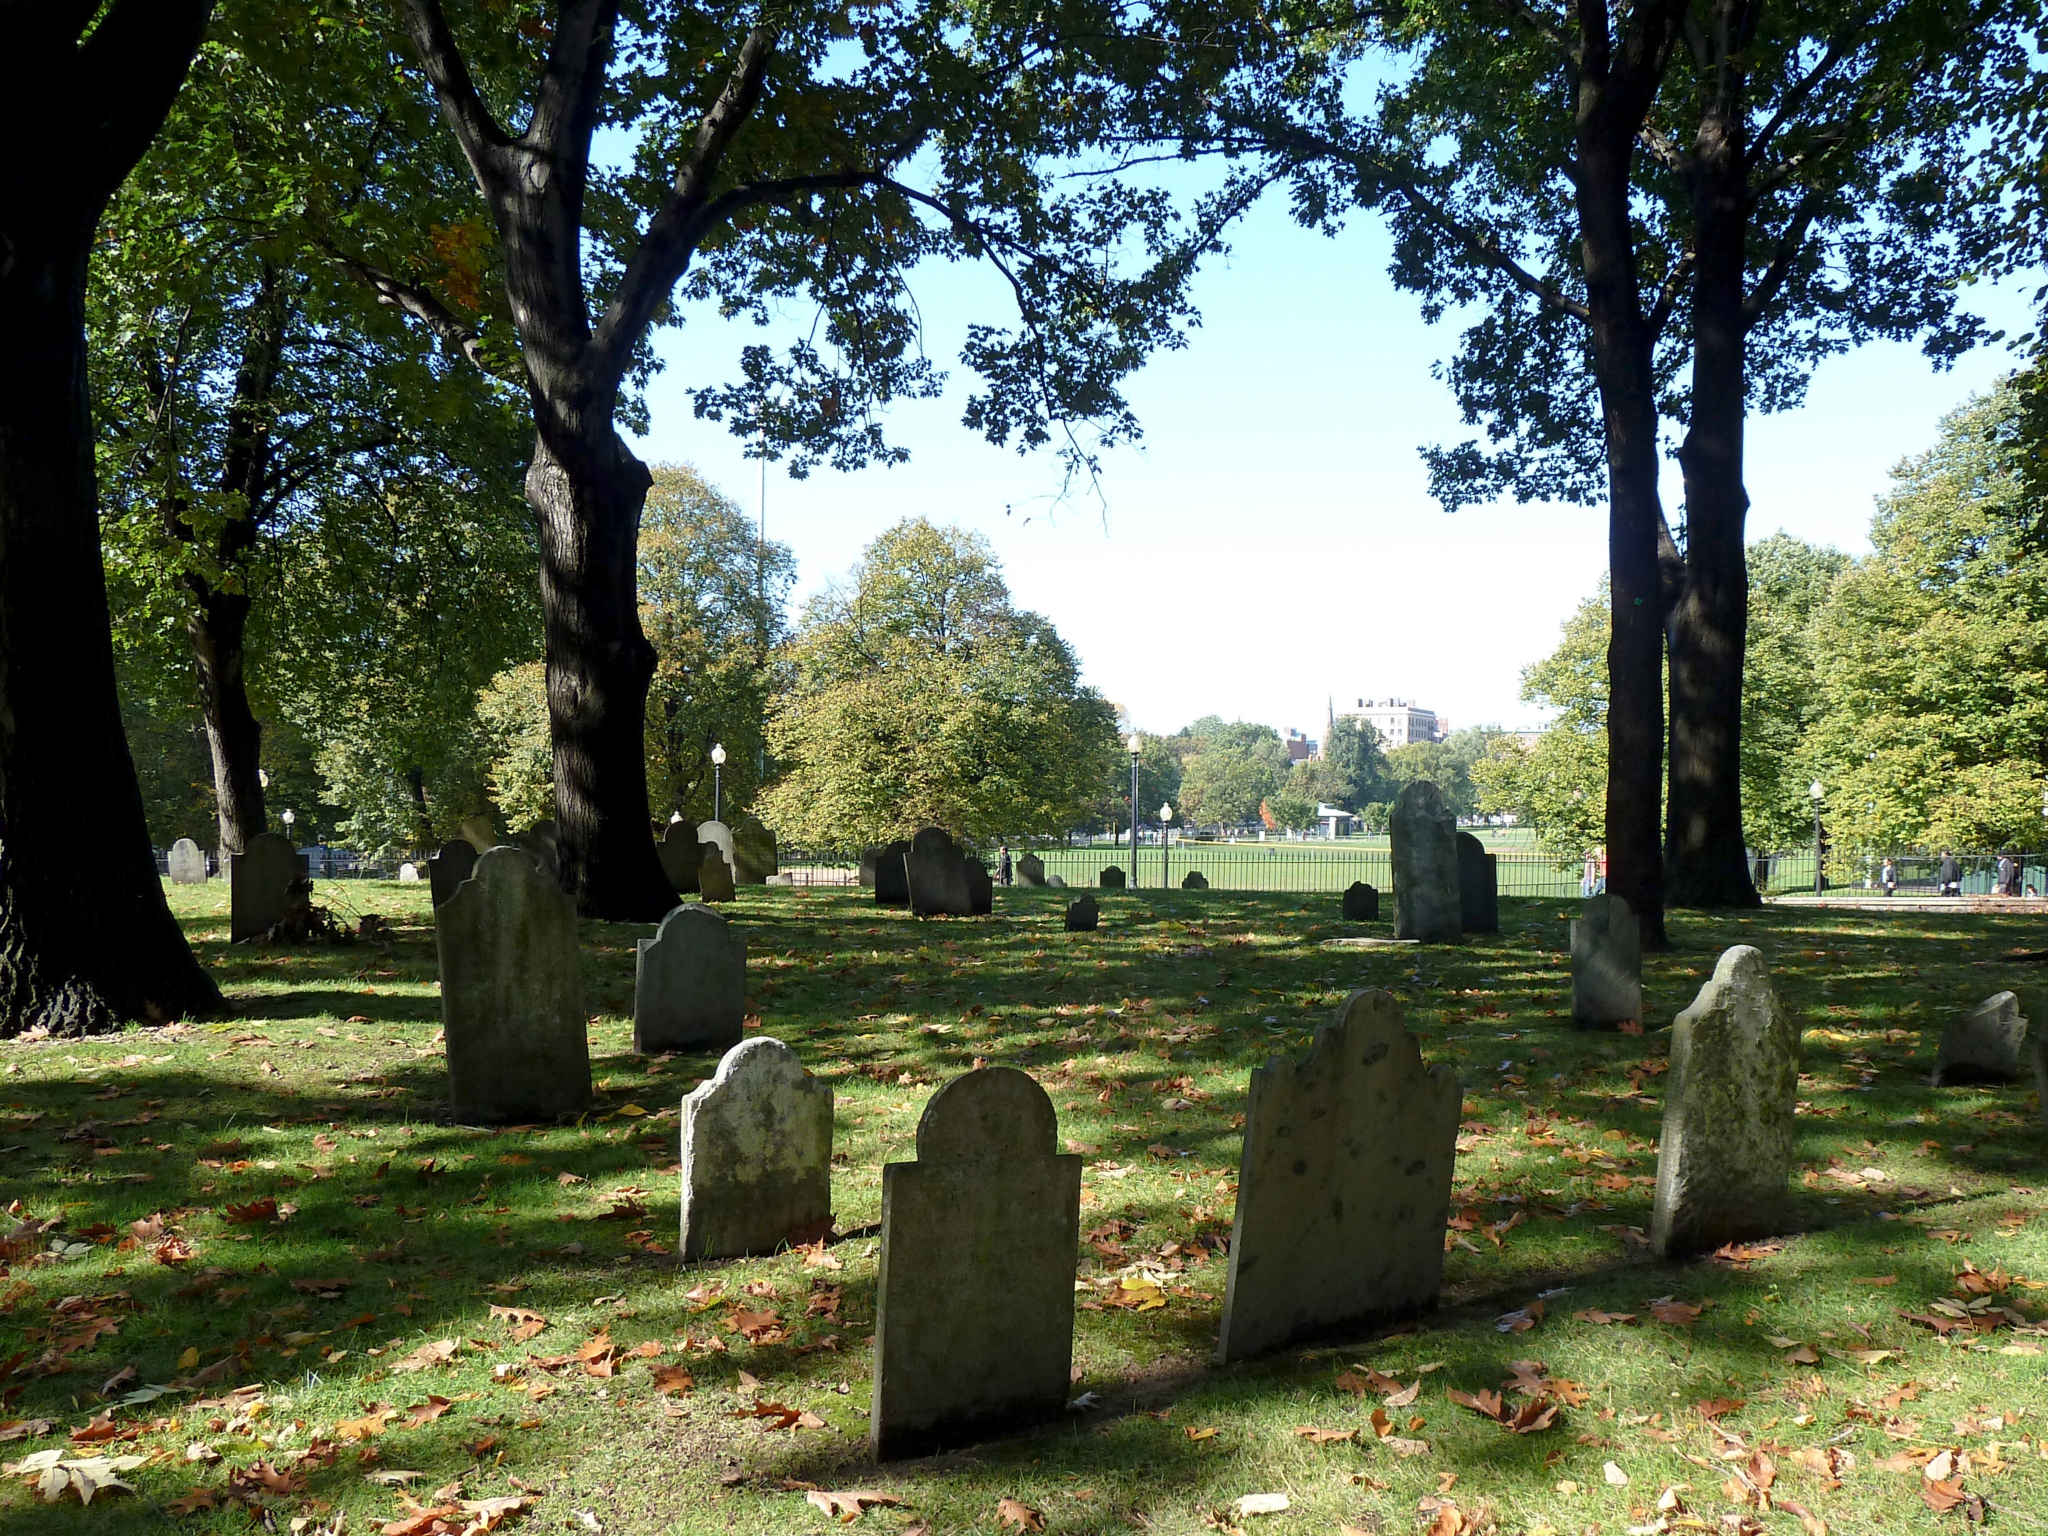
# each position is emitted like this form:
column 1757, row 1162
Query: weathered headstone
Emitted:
column 981, row 890
column 714, row 876
column 260, row 881
column 408, row 873
column 448, row 867
column 757, row 1155
column 1478, row 887
column 1607, row 964
column 1056, row 882
column 1729, row 1100
column 690, row 983
column 892, row 880
column 1361, row 903
column 936, row 873
column 1985, row 1045
column 682, row 856
column 1083, row 916
column 753, row 852
column 187, row 864
column 512, row 993
column 1112, row 878
column 869, row 857
column 719, row 834
column 1425, row 839
column 1031, row 870
column 1194, row 880
column 989, row 1210
column 1344, row 1185
column 543, row 840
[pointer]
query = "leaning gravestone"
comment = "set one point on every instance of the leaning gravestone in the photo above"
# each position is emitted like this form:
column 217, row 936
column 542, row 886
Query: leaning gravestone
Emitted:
column 408, row 873
column 1607, row 964
column 753, row 852
column 1987, row 1044
column 714, row 877
column 1194, row 880
column 757, row 1155
column 1112, row 878
column 1729, row 1100
column 1361, row 903
column 1031, row 870
column 892, row 880
column 719, row 834
column 690, row 983
column 187, row 864
column 682, row 856
column 936, row 873
column 1344, row 1185
column 974, row 1311
column 511, row 993
column 260, row 881
column 981, row 890
column 1478, row 887
column 1425, row 839
column 447, row 868
column 1083, row 916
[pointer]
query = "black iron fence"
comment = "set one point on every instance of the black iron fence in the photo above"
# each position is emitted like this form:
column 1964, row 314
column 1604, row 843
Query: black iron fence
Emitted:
column 1916, row 874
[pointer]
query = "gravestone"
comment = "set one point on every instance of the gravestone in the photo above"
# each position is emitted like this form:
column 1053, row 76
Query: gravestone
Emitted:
column 869, row 857
column 1729, row 1098
column 1986, row 1045
column 1194, row 880
column 1031, row 870
column 974, row 1309
column 892, row 879
column 1425, row 839
column 543, row 840
column 689, row 983
column 757, row 1155
column 408, row 873
column 720, row 835
column 448, row 867
column 1607, row 964
column 187, row 864
column 1478, row 887
column 937, row 875
column 1082, row 915
column 1344, row 1185
column 260, row 881
column 1056, row 882
column 714, row 876
column 682, row 856
column 1361, row 903
column 1112, row 878
column 511, row 993
column 753, row 852
column 981, row 890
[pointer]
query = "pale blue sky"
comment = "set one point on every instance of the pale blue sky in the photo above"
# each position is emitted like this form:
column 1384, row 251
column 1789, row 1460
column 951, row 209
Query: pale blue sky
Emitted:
column 1272, row 542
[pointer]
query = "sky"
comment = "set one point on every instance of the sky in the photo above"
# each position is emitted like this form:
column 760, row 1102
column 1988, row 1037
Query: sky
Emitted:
column 1271, row 544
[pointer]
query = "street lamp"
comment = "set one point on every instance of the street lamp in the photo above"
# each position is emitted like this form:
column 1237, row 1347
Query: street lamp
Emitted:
column 1165, row 874
column 717, row 778
column 1816, row 792
column 288, row 818
column 1134, row 744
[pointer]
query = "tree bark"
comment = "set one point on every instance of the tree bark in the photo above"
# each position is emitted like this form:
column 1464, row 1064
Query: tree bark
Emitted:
column 233, row 734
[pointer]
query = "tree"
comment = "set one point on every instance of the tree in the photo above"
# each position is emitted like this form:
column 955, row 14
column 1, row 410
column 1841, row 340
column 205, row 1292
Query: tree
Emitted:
column 1789, row 585
column 1447, row 764
column 86, row 937
column 803, row 153
column 1292, row 810
column 921, row 695
column 1159, row 777
column 516, row 745
column 1558, row 783
column 1232, row 769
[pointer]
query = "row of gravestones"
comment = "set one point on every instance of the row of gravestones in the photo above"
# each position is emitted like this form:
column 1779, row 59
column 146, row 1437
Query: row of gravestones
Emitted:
column 929, row 873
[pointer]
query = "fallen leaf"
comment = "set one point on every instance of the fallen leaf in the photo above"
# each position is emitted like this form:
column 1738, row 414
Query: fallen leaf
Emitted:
column 846, row 1505
column 671, row 1379
column 438, row 1352
column 1016, row 1515
column 1616, row 1478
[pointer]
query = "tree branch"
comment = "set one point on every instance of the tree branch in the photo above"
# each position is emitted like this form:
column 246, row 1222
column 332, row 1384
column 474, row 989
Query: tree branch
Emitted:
column 1839, row 47
column 475, row 129
column 1548, row 27
column 1488, row 250
column 1767, row 288
column 565, row 106
column 1667, row 296
column 412, row 299
column 125, row 77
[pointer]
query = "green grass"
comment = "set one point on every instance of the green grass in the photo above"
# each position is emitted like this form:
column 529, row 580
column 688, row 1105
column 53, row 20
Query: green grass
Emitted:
column 325, row 1095
column 1314, row 865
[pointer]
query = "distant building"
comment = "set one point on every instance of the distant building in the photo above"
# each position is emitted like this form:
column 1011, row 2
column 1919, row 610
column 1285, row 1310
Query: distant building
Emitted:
column 1397, row 722
column 1300, row 749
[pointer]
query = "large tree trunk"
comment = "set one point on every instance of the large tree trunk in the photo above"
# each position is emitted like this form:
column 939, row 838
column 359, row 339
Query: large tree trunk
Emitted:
column 86, row 938
column 233, row 733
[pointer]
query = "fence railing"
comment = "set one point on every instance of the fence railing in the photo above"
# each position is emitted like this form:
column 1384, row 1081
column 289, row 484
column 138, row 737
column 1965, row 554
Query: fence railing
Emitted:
column 321, row 864
column 1791, row 873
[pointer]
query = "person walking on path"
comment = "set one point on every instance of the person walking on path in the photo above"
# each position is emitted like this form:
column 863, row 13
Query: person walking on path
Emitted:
column 1003, row 863
column 1590, row 875
column 2005, row 868
column 1888, row 877
column 1948, row 875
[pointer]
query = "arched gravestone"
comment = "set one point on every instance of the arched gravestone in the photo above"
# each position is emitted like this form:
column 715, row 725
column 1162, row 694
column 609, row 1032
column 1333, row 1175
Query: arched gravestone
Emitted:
column 1361, row 903
column 682, row 856
column 1031, row 870
column 757, row 1155
column 974, row 1312
column 1607, row 964
column 718, row 834
column 511, row 993
column 408, row 873
column 1344, row 1185
column 753, row 852
column 1194, row 880
column 187, row 864
column 714, row 876
column 1478, row 887
column 1112, row 878
column 448, row 867
column 690, row 983
column 1425, row 845
column 892, row 879
column 936, row 873
column 1730, row 1100
column 260, row 881
column 1083, row 916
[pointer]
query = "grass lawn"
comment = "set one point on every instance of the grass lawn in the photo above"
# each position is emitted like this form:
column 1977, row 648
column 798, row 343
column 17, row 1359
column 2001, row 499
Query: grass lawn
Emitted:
column 263, row 1262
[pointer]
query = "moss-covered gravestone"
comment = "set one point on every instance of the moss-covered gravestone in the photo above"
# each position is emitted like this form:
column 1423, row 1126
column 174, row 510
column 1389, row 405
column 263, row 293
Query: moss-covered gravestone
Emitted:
column 757, row 1155
column 690, row 983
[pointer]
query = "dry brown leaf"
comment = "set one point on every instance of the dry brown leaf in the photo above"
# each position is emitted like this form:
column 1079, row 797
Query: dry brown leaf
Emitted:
column 437, row 1352
column 671, row 1379
column 1016, row 1515
column 845, row 1505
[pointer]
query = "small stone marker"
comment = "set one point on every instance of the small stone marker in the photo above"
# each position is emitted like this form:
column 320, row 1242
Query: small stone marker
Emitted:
column 1194, row 880
column 1425, row 839
column 714, row 876
column 974, row 1309
column 1361, row 903
column 718, row 833
column 1344, row 1185
column 1056, row 882
column 1082, row 915
column 690, row 983
column 260, row 881
column 1031, row 870
column 512, row 993
column 936, row 874
column 187, row 865
column 981, row 890
column 1478, row 887
column 753, row 852
column 682, row 856
column 1729, row 1099
column 892, row 880
column 757, row 1155
column 447, row 867
column 1986, row 1045
column 1607, row 964
column 408, row 873
column 1112, row 878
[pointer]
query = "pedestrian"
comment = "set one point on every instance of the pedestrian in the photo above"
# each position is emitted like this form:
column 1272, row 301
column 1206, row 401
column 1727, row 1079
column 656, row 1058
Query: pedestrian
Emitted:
column 1948, row 875
column 1600, row 886
column 2005, row 875
column 1888, row 877
column 1003, row 865
column 1589, row 876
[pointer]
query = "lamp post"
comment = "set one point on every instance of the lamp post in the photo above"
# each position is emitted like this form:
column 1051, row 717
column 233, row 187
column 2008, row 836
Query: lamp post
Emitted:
column 717, row 779
column 1134, row 744
column 1816, row 792
column 1165, row 820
